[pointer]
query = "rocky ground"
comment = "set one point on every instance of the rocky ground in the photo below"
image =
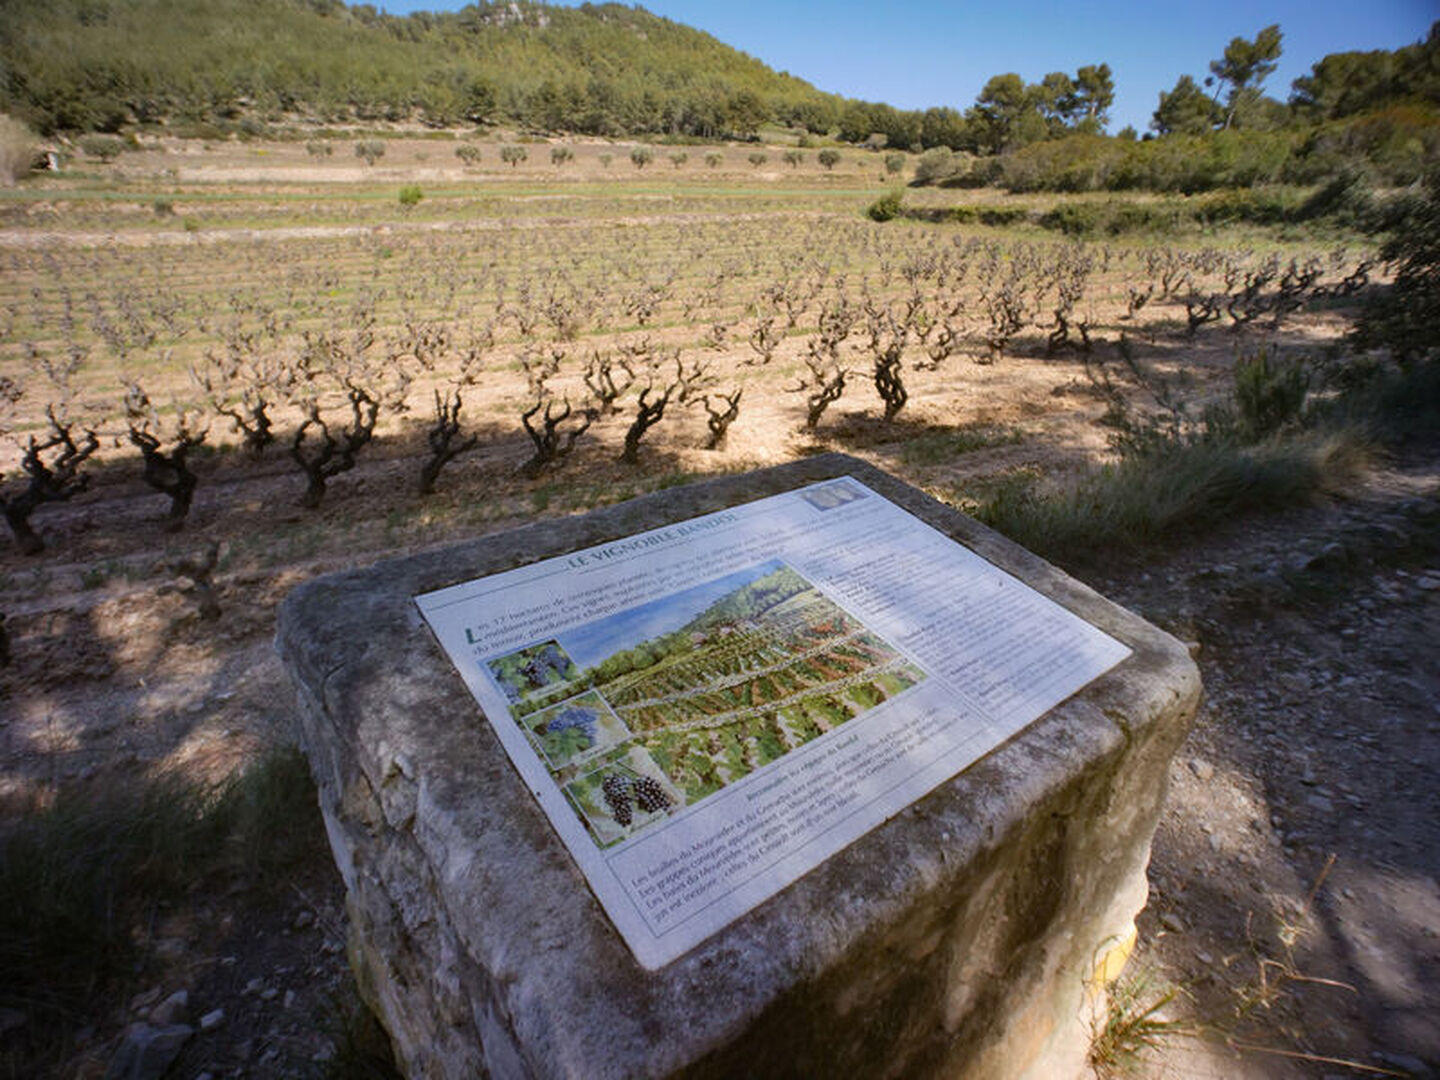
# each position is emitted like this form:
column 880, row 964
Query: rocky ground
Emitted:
column 1294, row 899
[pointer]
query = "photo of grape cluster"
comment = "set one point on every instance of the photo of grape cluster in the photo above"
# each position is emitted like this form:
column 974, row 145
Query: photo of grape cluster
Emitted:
column 646, row 793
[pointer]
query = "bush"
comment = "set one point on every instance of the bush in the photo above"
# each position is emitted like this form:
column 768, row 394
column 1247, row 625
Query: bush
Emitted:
column 680, row 157
column 468, row 153
column 1346, row 199
column 1172, row 491
column 370, row 150
column 17, row 150
column 318, row 148
column 513, row 155
column 559, row 155
column 886, row 208
column 713, row 159
column 1000, row 217
column 1247, row 205
column 757, row 158
column 410, row 194
column 1078, row 163
column 1406, row 318
column 1269, row 397
column 937, row 165
column 641, row 156
column 102, row 147
column 828, row 158
column 1073, row 219
column 894, row 163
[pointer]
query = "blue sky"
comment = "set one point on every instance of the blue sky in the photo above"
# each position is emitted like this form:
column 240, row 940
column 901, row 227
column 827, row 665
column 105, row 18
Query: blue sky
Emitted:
column 913, row 55
column 593, row 642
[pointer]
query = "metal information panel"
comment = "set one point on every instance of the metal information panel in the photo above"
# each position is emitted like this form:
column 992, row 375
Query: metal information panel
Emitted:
column 709, row 710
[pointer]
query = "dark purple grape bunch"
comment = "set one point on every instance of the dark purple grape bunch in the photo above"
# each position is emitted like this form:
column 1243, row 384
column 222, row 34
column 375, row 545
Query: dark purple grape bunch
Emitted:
column 649, row 795
column 617, row 797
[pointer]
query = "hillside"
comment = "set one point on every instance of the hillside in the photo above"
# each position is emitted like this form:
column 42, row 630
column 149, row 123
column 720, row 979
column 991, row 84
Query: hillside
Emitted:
column 598, row 69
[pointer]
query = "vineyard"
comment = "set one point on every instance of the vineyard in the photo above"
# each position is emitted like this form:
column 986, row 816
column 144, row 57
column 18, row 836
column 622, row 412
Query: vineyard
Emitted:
column 197, row 418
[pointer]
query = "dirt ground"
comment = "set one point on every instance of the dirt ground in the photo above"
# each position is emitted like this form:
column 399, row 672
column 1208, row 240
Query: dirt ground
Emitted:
column 1294, row 902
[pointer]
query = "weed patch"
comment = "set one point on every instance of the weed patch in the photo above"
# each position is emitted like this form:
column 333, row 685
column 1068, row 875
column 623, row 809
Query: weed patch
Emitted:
column 1134, row 1023
column 83, row 877
column 936, row 447
column 1156, row 497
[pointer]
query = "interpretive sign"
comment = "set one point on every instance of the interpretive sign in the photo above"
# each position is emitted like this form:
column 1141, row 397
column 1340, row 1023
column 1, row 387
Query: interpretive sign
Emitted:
column 709, row 710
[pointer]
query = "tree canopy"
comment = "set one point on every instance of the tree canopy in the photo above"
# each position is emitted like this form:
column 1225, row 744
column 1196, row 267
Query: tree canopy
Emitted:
column 603, row 69
column 1344, row 84
column 1240, row 71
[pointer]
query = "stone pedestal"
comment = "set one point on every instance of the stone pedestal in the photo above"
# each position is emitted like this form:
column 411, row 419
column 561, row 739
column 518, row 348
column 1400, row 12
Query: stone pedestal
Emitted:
column 961, row 938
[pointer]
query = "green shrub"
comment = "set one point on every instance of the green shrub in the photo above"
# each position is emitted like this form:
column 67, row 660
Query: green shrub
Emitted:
column 559, row 155
column 1073, row 219
column 1269, row 397
column 713, row 159
column 894, row 163
column 163, row 208
column 410, row 194
column 1075, row 164
column 1346, row 199
column 1175, row 491
column 513, row 155
column 938, row 165
column 102, row 147
column 1405, row 318
column 678, row 158
column 1002, row 216
column 828, row 158
column 757, row 158
column 640, row 156
column 887, row 207
column 468, row 153
column 1253, row 206
column 318, row 148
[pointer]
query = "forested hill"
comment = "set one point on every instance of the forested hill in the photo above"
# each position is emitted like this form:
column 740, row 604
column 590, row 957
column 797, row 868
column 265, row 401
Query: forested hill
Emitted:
column 600, row 69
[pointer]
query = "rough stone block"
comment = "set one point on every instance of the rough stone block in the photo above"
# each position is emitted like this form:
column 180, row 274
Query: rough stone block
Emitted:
column 962, row 937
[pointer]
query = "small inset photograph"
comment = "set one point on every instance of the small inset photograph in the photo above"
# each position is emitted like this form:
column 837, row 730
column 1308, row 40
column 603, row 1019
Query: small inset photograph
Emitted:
column 574, row 730
column 626, row 795
column 532, row 670
column 829, row 496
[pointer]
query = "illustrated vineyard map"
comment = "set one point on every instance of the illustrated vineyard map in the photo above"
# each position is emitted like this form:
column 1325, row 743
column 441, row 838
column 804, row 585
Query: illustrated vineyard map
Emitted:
column 660, row 723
